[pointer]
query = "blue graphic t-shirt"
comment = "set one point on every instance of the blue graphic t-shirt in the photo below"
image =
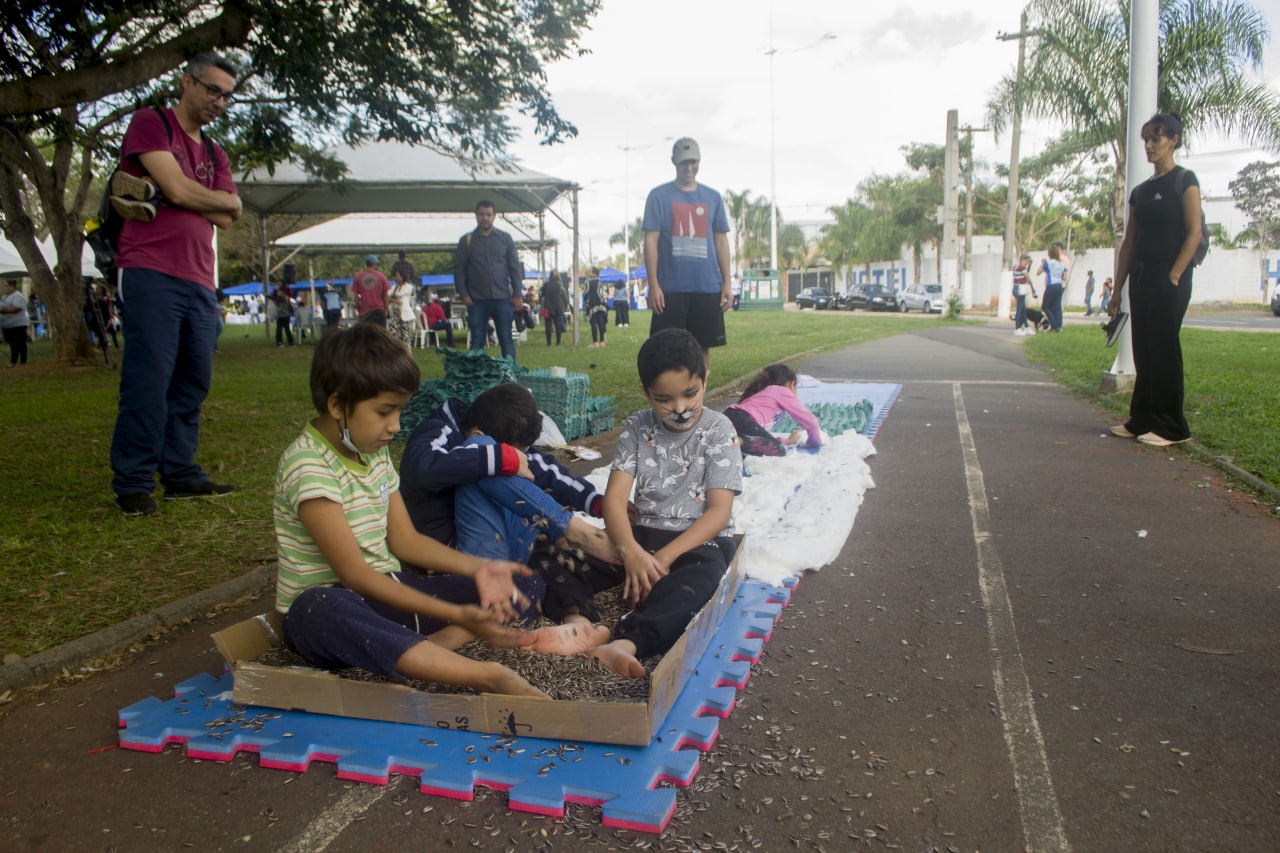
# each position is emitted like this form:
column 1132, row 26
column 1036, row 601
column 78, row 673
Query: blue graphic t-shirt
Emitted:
column 687, row 223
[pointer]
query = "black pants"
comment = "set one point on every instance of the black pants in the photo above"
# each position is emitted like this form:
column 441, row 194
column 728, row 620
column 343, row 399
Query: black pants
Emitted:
column 556, row 320
column 16, row 338
column 1156, row 309
column 282, row 329
column 659, row 621
column 599, row 323
column 621, row 312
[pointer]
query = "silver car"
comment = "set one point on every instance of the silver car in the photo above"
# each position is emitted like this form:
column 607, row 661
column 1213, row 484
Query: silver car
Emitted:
column 923, row 297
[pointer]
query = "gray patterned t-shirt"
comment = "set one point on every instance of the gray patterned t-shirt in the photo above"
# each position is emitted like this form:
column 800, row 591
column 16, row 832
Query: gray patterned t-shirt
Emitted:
column 674, row 470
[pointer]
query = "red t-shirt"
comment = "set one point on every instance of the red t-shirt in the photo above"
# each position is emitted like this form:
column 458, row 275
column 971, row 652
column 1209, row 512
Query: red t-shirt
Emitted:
column 371, row 288
column 435, row 313
column 178, row 242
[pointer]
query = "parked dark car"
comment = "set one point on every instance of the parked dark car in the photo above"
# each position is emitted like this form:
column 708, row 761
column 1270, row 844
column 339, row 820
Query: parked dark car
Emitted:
column 923, row 297
column 869, row 297
column 817, row 298
column 1275, row 301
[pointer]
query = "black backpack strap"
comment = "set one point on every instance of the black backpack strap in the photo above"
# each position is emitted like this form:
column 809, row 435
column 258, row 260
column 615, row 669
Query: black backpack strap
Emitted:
column 204, row 137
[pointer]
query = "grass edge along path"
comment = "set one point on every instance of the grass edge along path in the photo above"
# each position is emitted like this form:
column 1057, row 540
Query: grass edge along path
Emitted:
column 75, row 566
column 1231, row 392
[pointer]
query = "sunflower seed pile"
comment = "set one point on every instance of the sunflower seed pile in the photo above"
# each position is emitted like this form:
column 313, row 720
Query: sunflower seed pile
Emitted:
column 569, row 679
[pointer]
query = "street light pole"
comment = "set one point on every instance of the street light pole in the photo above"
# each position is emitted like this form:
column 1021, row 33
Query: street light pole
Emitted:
column 773, row 150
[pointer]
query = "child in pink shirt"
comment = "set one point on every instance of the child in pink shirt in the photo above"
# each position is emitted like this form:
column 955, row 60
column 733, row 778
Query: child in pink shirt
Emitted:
column 767, row 398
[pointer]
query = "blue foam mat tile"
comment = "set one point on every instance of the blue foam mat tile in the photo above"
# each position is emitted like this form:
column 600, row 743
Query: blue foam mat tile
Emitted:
column 633, row 785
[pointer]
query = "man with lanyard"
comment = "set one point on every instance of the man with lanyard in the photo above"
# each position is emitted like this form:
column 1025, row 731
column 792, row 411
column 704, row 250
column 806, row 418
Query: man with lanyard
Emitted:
column 172, row 188
column 488, row 276
column 686, row 253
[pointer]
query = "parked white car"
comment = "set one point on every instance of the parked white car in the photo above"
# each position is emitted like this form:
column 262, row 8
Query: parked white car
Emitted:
column 923, row 297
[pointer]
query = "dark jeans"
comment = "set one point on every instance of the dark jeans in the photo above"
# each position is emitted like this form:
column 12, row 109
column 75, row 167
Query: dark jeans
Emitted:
column 333, row 627
column 555, row 323
column 659, row 621
column 1051, row 305
column 599, row 324
column 503, row 313
column 621, row 312
column 446, row 327
column 282, row 329
column 1020, row 313
column 1156, row 309
column 170, row 328
column 16, row 338
column 756, row 440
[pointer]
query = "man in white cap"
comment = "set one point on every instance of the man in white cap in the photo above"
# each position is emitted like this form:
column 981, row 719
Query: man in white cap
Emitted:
column 686, row 253
column 370, row 289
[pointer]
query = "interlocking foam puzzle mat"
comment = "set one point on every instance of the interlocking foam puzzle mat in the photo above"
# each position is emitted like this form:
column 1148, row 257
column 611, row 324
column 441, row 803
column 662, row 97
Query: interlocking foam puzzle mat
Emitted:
column 632, row 785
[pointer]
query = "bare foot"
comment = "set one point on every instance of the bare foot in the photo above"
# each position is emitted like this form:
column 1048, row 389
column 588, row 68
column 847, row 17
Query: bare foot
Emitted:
column 619, row 657
column 571, row 638
column 591, row 539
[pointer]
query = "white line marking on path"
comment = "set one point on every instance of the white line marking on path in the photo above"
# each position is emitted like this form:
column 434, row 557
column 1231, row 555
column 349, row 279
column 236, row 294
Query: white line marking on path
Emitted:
column 1042, row 828
column 331, row 823
column 904, row 382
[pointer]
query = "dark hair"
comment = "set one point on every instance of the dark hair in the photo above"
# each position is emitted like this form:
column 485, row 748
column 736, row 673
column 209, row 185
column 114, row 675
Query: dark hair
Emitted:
column 198, row 64
column 773, row 374
column 506, row 413
column 1055, row 251
column 484, row 202
column 670, row 349
column 1164, row 124
column 359, row 363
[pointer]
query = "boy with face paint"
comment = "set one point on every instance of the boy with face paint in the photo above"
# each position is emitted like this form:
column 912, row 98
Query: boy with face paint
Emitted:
column 684, row 463
column 342, row 531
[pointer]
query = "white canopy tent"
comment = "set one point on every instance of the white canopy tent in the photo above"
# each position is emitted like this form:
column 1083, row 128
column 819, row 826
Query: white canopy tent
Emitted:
column 12, row 266
column 385, row 233
column 390, row 177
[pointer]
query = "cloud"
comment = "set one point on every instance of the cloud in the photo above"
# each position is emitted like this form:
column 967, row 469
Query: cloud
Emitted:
column 905, row 33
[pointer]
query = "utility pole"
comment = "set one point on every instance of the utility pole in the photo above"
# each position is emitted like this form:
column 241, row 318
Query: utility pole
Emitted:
column 947, row 271
column 1011, row 200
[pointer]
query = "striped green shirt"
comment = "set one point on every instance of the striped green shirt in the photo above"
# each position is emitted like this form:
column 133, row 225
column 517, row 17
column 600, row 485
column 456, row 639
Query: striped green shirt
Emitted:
column 312, row 468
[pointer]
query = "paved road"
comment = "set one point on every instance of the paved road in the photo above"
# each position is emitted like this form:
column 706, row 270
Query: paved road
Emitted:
column 1037, row 636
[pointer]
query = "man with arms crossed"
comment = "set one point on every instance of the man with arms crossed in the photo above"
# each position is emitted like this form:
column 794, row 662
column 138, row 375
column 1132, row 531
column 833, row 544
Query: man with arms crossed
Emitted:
column 686, row 253
column 173, row 187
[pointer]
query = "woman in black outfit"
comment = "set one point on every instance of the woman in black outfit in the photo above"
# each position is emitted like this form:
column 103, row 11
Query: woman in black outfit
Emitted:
column 1155, row 259
column 552, row 301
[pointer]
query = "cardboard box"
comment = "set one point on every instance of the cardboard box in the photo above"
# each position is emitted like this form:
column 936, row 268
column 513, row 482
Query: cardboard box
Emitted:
column 321, row 692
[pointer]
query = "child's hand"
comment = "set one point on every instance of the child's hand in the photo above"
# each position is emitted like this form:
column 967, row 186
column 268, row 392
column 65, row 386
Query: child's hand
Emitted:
column 797, row 436
column 643, row 571
column 483, row 625
column 523, row 471
column 498, row 594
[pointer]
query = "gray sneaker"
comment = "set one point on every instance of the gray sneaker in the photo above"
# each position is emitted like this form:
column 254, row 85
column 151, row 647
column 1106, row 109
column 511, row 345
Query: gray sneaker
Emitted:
column 131, row 186
column 134, row 210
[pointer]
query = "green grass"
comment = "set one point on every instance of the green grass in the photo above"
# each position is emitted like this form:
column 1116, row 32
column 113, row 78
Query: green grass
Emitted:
column 73, row 564
column 1232, row 388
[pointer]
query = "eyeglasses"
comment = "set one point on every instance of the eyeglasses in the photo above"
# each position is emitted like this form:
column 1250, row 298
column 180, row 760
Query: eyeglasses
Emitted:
column 215, row 93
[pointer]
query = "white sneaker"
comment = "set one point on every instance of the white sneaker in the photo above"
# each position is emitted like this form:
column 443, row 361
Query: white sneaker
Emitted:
column 1019, row 333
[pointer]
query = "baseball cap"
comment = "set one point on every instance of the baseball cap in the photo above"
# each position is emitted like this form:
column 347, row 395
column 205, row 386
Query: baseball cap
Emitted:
column 686, row 148
column 371, row 259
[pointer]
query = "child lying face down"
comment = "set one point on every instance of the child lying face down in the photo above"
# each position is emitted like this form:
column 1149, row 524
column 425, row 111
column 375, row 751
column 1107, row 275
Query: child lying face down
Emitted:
column 342, row 531
column 766, row 399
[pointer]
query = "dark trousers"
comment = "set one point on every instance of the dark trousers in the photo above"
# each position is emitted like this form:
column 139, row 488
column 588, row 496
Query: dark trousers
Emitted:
column 659, row 621
column 756, row 440
column 622, row 312
column 333, row 627
column 599, row 323
column 446, row 327
column 1156, row 309
column 170, row 329
column 282, row 329
column 16, row 338
column 1051, row 305
column 554, row 323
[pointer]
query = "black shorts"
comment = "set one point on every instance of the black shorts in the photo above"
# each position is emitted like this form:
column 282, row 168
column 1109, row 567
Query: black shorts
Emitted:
column 697, row 312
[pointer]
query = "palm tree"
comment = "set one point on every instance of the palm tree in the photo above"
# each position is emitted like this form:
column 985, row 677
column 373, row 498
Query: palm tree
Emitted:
column 1078, row 74
column 633, row 237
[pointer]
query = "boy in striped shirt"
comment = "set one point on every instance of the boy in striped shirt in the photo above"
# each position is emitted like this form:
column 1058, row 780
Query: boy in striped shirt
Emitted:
column 342, row 531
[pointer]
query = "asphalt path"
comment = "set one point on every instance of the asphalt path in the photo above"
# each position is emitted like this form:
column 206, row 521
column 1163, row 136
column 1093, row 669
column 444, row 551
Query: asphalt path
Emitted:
column 1036, row 637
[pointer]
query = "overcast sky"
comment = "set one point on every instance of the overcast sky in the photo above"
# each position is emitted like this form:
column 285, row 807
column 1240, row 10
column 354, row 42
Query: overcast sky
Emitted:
column 843, row 106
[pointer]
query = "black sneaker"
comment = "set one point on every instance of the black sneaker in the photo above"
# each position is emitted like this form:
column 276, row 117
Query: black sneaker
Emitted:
column 207, row 489
column 139, row 503
column 1114, row 327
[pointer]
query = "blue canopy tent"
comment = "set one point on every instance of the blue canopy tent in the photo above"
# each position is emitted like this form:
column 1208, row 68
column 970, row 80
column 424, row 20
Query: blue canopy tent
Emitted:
column 436, row 280
column 639, row 273
column 611, row 275
column 253, row 288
